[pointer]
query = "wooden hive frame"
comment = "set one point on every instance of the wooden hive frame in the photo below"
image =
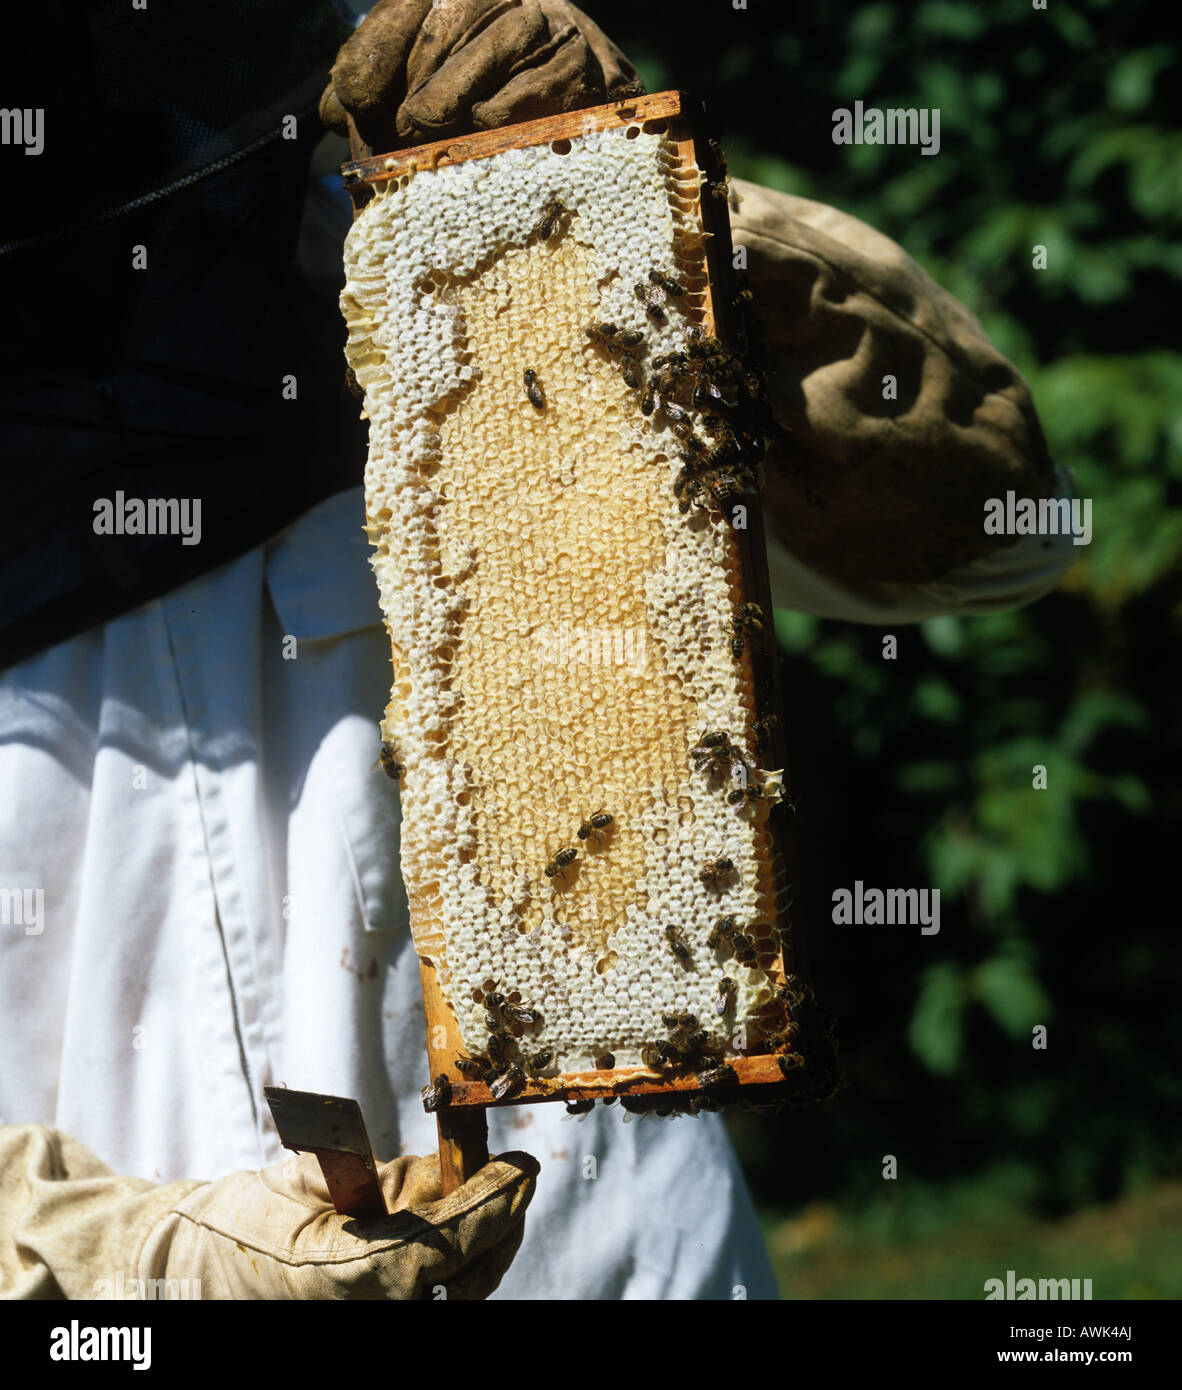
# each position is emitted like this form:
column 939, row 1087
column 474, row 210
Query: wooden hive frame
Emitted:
column 462, row 1124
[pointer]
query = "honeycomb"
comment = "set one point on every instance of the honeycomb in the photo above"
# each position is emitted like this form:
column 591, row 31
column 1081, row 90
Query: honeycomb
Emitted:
column 561, row 631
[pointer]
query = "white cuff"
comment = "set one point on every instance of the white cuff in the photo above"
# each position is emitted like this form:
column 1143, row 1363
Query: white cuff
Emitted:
column 1010, row 577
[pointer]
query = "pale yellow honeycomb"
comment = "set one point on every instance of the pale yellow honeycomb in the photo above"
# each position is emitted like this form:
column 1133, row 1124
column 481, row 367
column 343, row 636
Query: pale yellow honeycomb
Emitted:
column 561, row 632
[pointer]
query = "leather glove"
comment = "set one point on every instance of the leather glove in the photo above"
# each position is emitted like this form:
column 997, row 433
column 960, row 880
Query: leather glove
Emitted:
column 417, row 71
column 869, row 491
column 70, row 1227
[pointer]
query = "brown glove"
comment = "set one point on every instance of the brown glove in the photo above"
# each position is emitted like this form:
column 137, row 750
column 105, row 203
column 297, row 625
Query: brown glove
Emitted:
column 70, row 1228
column 417, row 71
column 868, row 489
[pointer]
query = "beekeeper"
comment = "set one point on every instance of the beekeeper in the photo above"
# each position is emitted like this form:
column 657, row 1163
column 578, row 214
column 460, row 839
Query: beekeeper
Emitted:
column 198, row 861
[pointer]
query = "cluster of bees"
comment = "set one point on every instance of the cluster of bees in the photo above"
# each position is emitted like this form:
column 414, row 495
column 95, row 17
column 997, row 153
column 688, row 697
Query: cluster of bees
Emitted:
column 593, row 828
column 624, row 347
column 712, row 400
column 718, row 754
column 506, row 1064
column 656, row 293
column 716, row 184
column 684, row 1047
column 685, row 1044
column 721, row 449
column 747, row 618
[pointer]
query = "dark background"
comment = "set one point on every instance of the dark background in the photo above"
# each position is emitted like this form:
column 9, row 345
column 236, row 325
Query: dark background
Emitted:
column 1059, row 907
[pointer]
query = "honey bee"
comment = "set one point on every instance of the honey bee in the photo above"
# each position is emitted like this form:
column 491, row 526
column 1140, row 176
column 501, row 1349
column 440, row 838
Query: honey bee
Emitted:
column 676, row 943
column 539, row 1061
column 668, row 286
column 656, row 1056
column 551, row 214
column 724, row 441
column 696, row 1041
column 724, row 995
column 649, row 400
column 652, row 298
column 718, row 1076
column 533, row 389
column 511, row 1079
column 706, row 394
column 713, row 738
column 787, row 993
column 738, row 796
column 519, row 1013
column 740, row 300
column 438, row 1094
column 562, row 860
column 754, row 384
column 754, row 444
column 579, row 1107
column 602, row 333
column 776, row 1041
column 633, row 376
column 679, row 1020
column 705, row 347
column 751, row 616
column 595, row 825
column 762, row 728
column 685, row 479
column 789, row 1061
column 389, row 761
column 493, row 1001
column 748, row 617
column 743, row 949
column 631, row 340
column 715, row 869
column 604, row 1062
column 471, row 1066
column 724, row 930
column 717, row 486
column 500, row 1043
column 634, row 88
column 717, row 188
column 717, row 155
column 713, row 750
column 661, row 384
column 724, row 488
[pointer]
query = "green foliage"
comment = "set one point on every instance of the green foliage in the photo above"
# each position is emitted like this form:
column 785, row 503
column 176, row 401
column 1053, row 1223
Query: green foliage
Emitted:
column 1059, row 905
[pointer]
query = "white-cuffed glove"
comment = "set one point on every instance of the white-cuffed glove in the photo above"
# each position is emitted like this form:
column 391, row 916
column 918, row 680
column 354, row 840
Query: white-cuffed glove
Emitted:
column 69, row 1227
